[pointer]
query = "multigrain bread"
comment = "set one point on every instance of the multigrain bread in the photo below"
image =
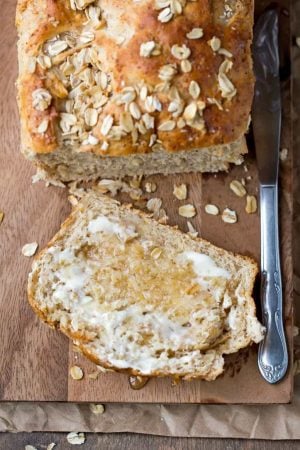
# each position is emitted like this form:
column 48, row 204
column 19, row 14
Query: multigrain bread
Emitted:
column 144, row 298
column 113, row 87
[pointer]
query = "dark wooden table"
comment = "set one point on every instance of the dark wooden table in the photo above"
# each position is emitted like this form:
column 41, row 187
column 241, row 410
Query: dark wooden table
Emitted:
column 130, row 441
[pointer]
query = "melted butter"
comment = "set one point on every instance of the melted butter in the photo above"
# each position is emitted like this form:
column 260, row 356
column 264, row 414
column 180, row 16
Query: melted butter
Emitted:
column 136, row 332
column 204, row 266
column 103, row 224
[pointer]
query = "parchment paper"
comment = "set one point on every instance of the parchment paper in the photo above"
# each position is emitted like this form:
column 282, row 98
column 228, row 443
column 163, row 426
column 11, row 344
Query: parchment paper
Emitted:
column 263, row 422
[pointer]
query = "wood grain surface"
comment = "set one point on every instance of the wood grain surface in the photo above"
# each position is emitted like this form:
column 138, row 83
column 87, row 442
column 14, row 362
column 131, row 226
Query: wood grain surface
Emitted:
column 131, row 441
column 34, row 360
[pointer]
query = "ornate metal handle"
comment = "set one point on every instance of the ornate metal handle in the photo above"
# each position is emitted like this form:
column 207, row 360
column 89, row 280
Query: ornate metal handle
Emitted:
column 272, row 355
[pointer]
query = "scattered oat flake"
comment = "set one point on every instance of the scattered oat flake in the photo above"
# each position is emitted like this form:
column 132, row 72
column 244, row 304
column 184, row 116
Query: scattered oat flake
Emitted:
column 298, row 41
column 229, row 216
column 211, row 209
column 238, row 188
column 251, row 204
column 30, row 249
column 51, row 446
column 97, row 408
column 1, row 216
column 76, row 438
column 154, row 204
column 180, row 191
column 150, row 187
column 76, row 373
column 30, row 447
column 187, row 211
column 283, row 154
column 295, row 331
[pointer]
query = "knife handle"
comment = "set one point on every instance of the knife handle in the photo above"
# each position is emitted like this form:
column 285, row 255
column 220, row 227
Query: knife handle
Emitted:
column 272, row 354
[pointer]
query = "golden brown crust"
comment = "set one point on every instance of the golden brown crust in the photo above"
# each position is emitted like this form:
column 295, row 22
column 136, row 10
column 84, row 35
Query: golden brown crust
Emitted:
column 127, row 68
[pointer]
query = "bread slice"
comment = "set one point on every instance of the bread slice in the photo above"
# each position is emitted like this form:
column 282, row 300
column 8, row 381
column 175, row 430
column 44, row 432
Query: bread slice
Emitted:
column 113, row 88
column 144, row 298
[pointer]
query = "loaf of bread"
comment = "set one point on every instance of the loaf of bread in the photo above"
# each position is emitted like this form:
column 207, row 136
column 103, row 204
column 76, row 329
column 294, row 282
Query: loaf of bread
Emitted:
column 144, row 298
column 109, row 88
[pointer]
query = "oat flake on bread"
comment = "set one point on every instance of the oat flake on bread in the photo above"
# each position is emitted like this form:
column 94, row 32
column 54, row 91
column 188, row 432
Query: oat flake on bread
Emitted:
column 101, row 96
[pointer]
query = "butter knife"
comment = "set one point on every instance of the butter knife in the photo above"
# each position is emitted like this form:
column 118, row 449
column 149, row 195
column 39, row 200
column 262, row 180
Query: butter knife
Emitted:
column 266, row 118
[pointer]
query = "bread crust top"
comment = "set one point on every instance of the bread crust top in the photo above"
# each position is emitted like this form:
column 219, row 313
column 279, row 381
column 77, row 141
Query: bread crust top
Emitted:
column 184, row 91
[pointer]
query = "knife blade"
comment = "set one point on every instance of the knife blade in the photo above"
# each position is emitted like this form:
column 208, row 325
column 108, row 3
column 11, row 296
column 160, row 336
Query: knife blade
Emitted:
column 266, row 118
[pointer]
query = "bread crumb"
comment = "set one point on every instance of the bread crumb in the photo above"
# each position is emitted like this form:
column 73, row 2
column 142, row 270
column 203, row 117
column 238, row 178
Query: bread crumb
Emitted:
column 295, row 331
column 97, row 408
column 229, row 216
column 1, row 216
column 76, row 349
column 251, row 204
column 75, row 190
column 76, row 438
column 212, row 209
column 134, row 195
column 29, row 249
column 42, row 175
column 162, row 216
column 180, row 191
column 93, row 375
column 298, row 41
column 135, row 182
column 238, row 188
column 187, row 211
column 193, row 233
column 112, row 186
column 73, row 200
column 76, row 373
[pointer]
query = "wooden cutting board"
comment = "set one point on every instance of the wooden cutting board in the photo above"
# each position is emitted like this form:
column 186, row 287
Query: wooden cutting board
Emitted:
column 35, row 360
